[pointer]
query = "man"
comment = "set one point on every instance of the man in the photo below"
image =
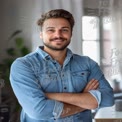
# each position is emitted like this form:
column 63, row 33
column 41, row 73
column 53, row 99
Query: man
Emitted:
column 54, row 85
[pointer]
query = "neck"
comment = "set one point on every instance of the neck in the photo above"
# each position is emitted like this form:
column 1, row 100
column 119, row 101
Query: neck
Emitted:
column 59, row 56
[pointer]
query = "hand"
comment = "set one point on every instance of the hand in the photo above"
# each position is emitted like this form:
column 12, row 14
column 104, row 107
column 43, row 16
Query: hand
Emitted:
column 92, row 85
column 77, row 99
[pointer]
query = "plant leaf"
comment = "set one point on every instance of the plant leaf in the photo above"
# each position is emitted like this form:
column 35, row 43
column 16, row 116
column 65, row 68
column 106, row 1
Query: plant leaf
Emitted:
column 24, row 51
column 19, row 42
column 11, row 51
column 14, row 34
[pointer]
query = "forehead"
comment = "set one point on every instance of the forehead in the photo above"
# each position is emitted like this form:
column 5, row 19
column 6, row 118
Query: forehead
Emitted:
column 56, row 23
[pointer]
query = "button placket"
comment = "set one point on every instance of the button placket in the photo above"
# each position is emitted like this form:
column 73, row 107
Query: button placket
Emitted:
column 64, row 82
column 64, row 86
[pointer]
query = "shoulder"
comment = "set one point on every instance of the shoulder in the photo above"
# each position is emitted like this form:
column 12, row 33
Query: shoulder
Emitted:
column 84, row 62
column 80, row 57
column 83, row 59
column 29, row 60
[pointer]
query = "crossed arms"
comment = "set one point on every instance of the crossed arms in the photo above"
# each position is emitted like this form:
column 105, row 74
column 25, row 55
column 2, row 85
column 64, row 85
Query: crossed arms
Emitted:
column 35, row 102
column 76, row 102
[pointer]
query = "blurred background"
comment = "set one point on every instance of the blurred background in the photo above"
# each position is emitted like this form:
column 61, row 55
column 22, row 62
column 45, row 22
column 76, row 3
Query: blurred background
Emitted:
column 97, row 34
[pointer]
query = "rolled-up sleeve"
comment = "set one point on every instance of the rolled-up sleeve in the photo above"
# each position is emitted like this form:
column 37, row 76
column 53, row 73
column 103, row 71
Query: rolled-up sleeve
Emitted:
column 97, row 95
column 104, row 94
column 30, row 95
column 58, row 108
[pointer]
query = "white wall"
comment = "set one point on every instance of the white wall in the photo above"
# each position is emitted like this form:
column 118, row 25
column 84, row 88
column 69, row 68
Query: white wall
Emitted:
column 74, row 6
column 23, row 15
column 15, row 15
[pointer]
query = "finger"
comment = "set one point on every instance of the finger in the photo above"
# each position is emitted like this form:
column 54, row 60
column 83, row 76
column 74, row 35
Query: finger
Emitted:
column 93, row 84
column 87, row 88
column 89, row 83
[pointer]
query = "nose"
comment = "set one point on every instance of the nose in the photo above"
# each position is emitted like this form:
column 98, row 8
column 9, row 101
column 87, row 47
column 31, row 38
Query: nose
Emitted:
column 58, row 33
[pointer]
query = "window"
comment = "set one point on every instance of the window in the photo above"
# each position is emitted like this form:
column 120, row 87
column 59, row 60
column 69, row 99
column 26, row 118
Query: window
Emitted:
column 90, row 31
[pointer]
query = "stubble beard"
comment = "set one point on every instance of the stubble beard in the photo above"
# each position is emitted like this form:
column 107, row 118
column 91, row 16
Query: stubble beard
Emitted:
column 57, row 48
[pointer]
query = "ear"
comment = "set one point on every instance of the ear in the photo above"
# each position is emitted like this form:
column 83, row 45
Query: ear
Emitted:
column 41, row 35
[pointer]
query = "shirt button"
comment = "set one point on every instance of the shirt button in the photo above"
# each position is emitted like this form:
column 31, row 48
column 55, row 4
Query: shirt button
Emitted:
column 54, row 62
column 82, row 73
column 62, row 75
column 65, row 87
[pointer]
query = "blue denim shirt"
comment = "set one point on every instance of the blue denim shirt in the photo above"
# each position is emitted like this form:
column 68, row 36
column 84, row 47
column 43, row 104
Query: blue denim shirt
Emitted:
column 35, row 74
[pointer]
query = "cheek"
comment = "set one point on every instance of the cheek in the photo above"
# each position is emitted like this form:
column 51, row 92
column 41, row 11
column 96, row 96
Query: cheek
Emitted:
column 43, row 36
column 46, row 38
column 68, row 37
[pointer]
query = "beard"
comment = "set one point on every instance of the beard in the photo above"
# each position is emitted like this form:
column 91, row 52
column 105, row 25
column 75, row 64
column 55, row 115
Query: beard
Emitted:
column 56, row 48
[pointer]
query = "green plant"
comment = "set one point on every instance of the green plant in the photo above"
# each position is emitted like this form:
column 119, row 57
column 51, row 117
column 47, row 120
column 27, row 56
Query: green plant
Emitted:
column 8, row 97
column 18, row 50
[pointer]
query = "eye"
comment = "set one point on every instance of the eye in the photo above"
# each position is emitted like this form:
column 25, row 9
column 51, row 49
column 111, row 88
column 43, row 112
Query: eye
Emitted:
column 64, row 30
column 50, row 30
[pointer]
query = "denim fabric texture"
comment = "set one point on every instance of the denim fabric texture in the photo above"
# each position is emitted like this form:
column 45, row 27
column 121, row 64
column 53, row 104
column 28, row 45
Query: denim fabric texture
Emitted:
column 37, row 73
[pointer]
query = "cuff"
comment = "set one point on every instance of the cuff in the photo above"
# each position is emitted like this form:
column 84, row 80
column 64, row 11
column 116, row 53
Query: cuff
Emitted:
column 97, row 95
column 58, row 108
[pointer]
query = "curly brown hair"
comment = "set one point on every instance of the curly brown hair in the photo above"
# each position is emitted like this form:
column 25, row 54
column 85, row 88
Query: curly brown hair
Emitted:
column 57, row 13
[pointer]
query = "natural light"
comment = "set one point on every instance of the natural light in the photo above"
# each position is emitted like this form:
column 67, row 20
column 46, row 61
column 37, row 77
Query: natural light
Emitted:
column 90, row 29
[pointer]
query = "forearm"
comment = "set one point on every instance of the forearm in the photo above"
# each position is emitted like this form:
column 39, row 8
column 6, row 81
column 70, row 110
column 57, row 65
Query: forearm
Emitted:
column 69, row 110
column 83, row 100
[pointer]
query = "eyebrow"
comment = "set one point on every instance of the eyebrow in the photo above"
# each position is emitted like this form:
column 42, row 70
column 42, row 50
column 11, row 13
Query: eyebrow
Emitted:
column 66, row 27
column 54, row 27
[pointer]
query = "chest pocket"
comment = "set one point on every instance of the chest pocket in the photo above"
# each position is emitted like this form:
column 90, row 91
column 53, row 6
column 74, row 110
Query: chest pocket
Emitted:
column 79, row 80
column 48, row 82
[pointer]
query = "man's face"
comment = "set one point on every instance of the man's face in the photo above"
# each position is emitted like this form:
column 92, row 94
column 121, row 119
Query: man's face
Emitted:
column 56, row 34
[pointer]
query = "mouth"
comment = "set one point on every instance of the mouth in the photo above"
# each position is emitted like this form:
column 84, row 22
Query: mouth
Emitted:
column 58, row 39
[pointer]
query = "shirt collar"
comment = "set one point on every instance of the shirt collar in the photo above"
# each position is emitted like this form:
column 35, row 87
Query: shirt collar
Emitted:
column 41, row 52
column 46, row 56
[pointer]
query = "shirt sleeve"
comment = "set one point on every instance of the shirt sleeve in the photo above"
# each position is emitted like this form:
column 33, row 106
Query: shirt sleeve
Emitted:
column 104, row 94
column 30, row 95
column 97, row 95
